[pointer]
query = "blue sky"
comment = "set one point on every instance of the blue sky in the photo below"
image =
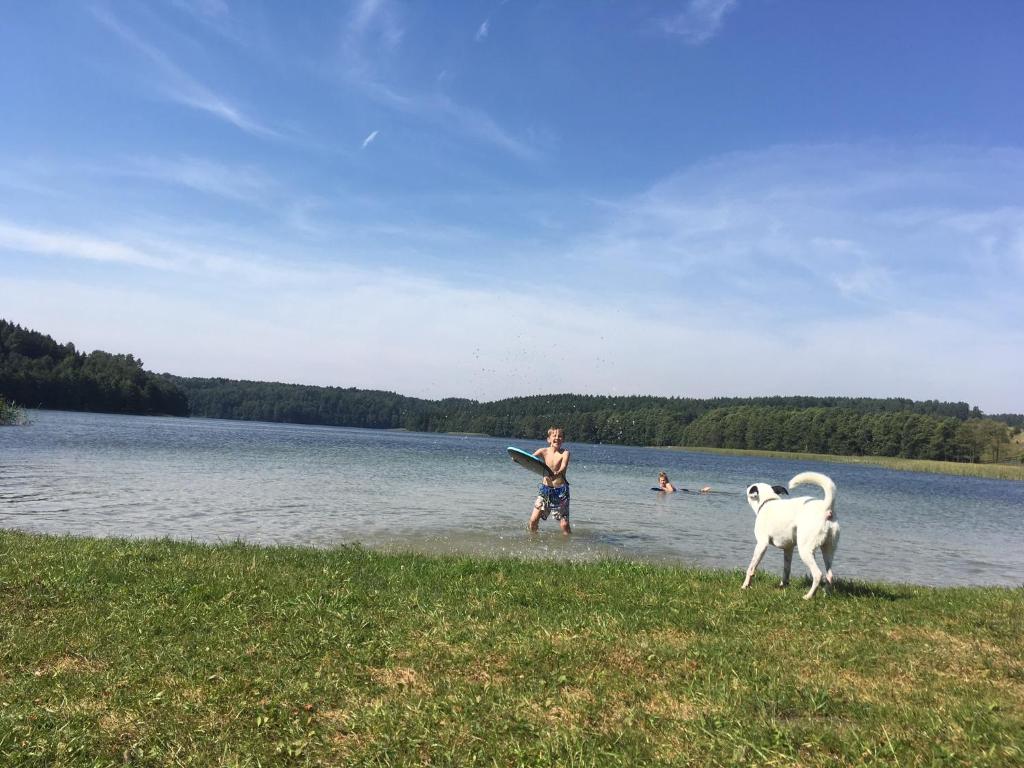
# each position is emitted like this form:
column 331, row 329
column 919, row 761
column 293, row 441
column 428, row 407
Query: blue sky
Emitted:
column 485, row 199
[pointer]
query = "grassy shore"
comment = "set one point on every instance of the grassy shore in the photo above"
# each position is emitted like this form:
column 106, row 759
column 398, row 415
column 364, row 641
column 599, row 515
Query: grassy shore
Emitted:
column 993, row 471
column 161, row 653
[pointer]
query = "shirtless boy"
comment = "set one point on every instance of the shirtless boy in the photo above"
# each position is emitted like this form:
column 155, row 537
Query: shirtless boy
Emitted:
column 553, row 493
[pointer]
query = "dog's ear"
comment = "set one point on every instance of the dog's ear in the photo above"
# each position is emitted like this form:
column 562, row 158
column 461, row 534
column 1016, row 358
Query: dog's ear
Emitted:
column 781, row 490
column 752, row 493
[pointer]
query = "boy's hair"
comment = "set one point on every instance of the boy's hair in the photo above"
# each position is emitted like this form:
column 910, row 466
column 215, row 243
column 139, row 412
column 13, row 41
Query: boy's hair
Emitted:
column 555, row 429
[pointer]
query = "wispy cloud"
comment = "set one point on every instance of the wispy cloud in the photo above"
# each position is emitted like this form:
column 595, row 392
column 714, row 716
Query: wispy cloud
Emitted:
column 192, row 94
column 74, row 245
column 372, row 24
column 483, row 30
column 242, row 183
column 370, row 139
column 28, row 175
column 475, row 123
column 439, row 109
column 699, row 21
column 847, row 229
column 180, row 87
column 370, row 38
column 168, row 252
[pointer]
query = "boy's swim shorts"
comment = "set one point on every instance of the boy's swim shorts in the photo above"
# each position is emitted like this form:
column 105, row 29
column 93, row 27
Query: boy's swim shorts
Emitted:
column 553, row 500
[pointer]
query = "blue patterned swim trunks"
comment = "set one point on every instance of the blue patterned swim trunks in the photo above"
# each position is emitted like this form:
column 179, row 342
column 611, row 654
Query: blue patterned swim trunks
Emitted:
column 553, row 500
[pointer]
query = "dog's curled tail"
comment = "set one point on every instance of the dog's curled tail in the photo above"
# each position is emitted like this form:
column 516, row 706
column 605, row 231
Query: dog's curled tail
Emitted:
column 822, row 481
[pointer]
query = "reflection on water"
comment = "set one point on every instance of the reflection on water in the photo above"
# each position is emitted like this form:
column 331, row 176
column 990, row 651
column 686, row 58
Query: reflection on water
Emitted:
column 210, row 480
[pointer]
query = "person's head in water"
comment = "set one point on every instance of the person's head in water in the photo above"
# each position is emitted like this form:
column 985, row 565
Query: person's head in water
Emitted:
column 664, row 483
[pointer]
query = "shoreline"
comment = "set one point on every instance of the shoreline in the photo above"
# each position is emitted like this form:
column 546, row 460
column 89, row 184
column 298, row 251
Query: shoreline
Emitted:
column 959, row 469
column 768, row 572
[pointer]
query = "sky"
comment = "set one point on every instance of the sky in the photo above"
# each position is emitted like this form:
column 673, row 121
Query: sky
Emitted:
column 692, row 198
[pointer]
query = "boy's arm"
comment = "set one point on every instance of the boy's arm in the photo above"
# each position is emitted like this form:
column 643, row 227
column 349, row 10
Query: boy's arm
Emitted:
column 562, row 464
column 561, row 461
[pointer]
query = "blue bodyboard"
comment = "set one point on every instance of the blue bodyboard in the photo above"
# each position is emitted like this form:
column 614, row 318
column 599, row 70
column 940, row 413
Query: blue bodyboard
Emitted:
column 528, row 461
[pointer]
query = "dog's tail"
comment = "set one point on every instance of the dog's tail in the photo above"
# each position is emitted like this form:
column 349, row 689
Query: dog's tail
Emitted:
column 822, row 481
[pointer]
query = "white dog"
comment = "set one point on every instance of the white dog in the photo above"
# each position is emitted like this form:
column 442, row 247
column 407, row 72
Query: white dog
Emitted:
column 804, row 522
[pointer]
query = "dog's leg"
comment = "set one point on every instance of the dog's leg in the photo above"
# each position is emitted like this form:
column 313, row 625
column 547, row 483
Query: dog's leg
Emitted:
column 787, row 563
column 759, row 550
column 827, row 552
column 808, row 558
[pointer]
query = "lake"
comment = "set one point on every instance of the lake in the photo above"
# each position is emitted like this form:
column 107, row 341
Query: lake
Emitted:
column 216, row 481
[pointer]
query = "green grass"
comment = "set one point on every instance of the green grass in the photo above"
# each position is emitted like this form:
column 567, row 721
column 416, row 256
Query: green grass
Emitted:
column 961, row 469
column 173, row 654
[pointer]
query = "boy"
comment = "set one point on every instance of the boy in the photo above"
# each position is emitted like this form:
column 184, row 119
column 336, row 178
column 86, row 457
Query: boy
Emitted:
column 553, row 494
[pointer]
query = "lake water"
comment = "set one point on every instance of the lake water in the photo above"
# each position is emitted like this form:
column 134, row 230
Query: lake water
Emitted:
column 211, row 480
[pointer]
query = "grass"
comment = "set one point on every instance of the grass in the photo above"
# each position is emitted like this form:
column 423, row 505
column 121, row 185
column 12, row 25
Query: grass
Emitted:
column 961, row 469
column 175, row 654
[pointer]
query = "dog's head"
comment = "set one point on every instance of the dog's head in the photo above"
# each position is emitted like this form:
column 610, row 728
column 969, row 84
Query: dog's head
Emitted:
column 759, row 493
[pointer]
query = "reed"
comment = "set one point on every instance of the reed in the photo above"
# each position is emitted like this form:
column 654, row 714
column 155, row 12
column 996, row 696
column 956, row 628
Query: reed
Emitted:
column 157, row 653
column 11, row 413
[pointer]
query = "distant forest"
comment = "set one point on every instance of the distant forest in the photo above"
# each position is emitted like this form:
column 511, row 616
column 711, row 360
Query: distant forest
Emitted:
column 831, row 425
column 36, row 371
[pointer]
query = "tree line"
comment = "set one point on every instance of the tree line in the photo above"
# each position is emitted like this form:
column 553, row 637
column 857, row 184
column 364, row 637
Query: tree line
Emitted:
column 829, row 425
column 36, row 371
column 845, row 432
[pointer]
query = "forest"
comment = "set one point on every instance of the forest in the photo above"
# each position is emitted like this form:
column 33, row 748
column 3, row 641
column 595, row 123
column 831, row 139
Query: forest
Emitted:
column 38, row 372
